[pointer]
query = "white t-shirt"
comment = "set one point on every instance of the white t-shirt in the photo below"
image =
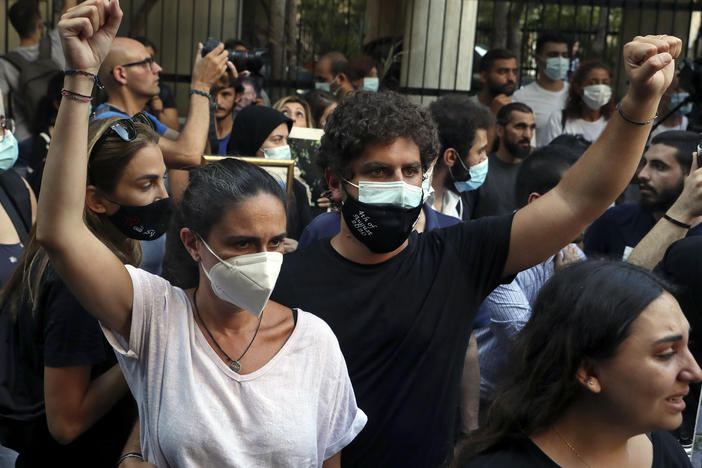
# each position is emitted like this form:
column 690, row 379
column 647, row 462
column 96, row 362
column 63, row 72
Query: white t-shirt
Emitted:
column 297, row 410
column 9, row 77
column 589, row 130
column 662, row 128
column 543, row 102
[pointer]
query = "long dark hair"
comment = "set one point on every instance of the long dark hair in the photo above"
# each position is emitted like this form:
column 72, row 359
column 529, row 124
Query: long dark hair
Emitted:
column 105, row 167
column 583, row 311
column 213, row 189
column 574, row 104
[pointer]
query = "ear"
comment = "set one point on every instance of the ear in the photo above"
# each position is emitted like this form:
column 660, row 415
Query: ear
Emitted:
column 120, row 75
column 334, row 183
column 94, row 200
column 585, row 375
column 190, row 242
column 450, row 157
column 499, row 130
column 533, row 196
column 483, row 76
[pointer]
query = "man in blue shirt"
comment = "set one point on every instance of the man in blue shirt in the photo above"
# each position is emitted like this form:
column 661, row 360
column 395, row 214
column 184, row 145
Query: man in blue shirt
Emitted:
column 666, row 164
column 130, row 76
column 224, row 96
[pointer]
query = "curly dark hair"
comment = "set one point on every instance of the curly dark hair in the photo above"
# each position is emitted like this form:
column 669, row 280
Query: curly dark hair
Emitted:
column 366, row 118
column 574, row 104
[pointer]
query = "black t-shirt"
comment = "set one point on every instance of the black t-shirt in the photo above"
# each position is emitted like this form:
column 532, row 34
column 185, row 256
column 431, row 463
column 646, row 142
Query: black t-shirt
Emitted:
column 59, row 333
column 667, row 453
column 403, row 326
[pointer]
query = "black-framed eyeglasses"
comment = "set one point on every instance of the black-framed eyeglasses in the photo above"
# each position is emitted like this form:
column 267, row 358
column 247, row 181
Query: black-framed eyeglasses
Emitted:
column 147, row 61
column 6, row 124
column 124, row 129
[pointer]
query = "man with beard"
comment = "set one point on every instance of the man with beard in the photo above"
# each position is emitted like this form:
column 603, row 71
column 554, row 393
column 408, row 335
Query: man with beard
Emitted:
column 498, row 73
column 661, row 179
column 514, row 130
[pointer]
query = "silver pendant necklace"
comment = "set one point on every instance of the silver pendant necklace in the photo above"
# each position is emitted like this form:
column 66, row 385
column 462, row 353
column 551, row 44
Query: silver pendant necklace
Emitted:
column 234, row 364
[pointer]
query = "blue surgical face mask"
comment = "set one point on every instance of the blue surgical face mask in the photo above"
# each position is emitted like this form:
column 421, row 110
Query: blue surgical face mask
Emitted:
column 371, row 83
column 676, row 99
column 398, row 193
column 322, row 86
column 557, row 67
column 477, row 174
column 8, row 151
column 279, row 152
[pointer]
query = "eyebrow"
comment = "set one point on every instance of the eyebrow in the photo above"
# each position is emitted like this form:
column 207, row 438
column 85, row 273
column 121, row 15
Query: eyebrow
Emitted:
column 668, row 339
column 149, row 176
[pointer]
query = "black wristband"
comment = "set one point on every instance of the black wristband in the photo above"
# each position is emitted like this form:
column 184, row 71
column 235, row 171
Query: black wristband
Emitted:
column 676, row 222
column 92, row 76
column 632, row 121
column 201, row 93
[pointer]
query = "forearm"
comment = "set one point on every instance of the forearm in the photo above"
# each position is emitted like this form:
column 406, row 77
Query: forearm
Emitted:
column 605, row 169
column 62, row 196
column 69, row 414
column 470, row 388
column 650, row 250
column 189, row 147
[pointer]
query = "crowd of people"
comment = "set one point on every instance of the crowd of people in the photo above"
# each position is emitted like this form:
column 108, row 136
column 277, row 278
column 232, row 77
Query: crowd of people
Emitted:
column 506, row 278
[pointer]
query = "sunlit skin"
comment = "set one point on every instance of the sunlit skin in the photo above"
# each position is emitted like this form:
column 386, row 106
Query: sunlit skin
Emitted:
column 296, row 112
column 140, row 184
column 661, row 177
column 140, row 78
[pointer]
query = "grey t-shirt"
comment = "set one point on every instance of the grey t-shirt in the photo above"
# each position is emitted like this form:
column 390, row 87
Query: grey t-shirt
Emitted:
column 9, row 77
column 496, row 195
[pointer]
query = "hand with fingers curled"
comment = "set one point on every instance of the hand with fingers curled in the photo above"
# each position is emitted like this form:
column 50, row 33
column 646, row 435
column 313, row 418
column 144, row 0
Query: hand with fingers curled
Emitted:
column 87, row 31
column 650, row 65
column 688, row 205
column 208, row 69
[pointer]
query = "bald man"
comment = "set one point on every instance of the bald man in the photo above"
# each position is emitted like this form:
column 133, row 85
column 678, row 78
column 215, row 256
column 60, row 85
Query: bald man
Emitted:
column 323, row 75
column 130, row 76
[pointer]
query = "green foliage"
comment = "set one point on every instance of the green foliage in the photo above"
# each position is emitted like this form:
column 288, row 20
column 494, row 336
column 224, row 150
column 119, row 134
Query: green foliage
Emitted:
column 332, row 25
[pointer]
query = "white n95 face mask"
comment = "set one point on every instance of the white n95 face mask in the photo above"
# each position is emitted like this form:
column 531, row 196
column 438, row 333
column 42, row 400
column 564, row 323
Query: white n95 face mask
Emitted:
column 596, row 96
column 246, row 281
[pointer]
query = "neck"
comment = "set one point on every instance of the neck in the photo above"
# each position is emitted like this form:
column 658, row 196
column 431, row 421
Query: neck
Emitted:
column 224, row 125
column 220, row 315
column 126, row 101
column 504, row 155
column 547, row 83
column 590, row 115
column 485, row 97
column 438, row 181
column 594, row 435
column 31, row 40
column 354, row 250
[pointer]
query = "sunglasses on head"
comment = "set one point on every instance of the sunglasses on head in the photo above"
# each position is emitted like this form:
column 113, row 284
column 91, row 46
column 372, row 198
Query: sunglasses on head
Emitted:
column 124, row 129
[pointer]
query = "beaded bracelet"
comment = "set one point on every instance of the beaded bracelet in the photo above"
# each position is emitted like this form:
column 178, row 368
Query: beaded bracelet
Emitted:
column 93, row 76
column 632, row 121
column 130, row 455
column 75, row 96
column 201, row 93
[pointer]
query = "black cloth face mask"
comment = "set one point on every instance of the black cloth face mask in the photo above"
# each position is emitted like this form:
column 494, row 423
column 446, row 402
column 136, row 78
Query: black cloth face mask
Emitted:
column 381, row 228
column 146, row 222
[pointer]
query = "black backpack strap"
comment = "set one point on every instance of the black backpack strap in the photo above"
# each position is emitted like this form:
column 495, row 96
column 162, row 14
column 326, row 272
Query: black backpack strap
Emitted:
column 14, row 197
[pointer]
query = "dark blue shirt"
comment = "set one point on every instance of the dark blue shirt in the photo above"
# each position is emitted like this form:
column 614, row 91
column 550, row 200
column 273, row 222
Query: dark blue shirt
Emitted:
column 106, row 110
column 620, row 227
column 223, row 142
column 328, row 225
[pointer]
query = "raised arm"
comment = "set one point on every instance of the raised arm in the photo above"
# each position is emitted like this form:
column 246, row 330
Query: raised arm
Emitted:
column 187, row 149
column 687, row 209
column 595, row 181
column 91, row 271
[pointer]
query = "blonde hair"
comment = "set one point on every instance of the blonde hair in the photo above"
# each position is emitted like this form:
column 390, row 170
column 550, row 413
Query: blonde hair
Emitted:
column 294, row 99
